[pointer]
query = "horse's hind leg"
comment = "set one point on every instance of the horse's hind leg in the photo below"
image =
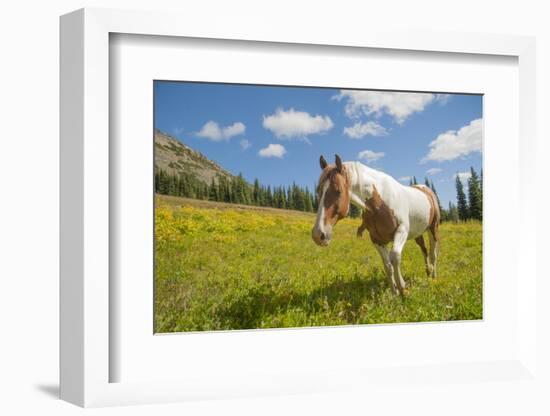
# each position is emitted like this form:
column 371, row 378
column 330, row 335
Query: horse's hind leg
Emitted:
column 434, row 248
column 420, row 241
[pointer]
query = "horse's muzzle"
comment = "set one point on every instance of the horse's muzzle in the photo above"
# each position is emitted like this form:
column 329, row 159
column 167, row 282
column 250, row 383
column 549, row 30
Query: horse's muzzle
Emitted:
column 321, row 238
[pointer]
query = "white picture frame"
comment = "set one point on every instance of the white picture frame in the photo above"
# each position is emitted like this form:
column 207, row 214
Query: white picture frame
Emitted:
column 86, row 357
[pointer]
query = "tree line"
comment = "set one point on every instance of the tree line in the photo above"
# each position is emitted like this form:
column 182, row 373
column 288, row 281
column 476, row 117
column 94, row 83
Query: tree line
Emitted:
column 236, row 190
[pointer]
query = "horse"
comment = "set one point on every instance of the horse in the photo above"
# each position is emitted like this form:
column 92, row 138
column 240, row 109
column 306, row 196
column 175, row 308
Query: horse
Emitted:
column 393, row 213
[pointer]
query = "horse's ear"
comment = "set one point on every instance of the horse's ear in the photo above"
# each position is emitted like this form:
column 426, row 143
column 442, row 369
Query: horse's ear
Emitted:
column 323, row 162
column 338, row 164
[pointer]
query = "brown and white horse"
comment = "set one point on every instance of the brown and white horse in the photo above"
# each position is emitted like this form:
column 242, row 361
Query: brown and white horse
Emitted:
column 393, row 213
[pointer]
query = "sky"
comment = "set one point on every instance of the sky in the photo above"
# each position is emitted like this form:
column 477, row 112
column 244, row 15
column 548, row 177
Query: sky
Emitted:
column 276, row 134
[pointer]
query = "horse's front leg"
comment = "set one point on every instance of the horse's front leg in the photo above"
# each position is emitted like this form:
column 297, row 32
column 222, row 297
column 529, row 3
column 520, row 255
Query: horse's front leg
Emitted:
column 383, row 251
column 399, row 240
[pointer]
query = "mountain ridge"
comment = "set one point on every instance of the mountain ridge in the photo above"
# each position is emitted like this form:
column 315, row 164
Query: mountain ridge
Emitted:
column 175, row 158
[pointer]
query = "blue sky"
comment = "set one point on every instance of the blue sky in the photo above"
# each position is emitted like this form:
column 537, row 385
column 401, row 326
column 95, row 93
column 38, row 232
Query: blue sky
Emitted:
column 276, row 134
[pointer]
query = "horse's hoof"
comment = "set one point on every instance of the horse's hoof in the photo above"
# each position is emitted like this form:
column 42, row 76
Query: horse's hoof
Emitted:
column 429, row 271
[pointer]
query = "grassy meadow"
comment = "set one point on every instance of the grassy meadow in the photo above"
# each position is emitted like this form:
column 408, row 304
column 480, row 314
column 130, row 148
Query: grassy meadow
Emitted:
column 221, row 267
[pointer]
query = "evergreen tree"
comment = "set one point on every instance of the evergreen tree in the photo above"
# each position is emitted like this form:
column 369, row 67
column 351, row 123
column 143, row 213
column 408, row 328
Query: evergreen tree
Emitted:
column 453, row 213
column 298, row 198
column 240, row 187
column 462, row 204
column 474, row 196
column 157, row 180
column 163, row 182
column 414, row 181
column 269, row 197
column 281, row 196
column 308, row 205
column 444, row 215
column 263, row 196
column 202, row 192
column 426, row 182
column 256, row 192
column 171, row 185
column 183, row 187
column 231, row 192
column 276, row 199
column 225, row 190
column 284, row 204
column 199, row 192
column 289, row 198
column 213, row 191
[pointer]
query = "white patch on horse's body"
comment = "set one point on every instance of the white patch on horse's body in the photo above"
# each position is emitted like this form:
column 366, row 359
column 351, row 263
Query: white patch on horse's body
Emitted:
column 419, row 212
column 410, row 207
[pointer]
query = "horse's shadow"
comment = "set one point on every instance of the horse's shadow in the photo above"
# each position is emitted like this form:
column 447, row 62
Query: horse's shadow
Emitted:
column 248, row 309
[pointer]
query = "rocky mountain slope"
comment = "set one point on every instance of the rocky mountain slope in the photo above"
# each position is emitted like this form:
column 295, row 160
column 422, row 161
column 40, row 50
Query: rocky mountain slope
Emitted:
column 174, row 157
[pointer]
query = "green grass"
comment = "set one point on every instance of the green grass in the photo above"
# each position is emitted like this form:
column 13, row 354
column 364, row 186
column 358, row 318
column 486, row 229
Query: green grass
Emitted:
column 221, row 267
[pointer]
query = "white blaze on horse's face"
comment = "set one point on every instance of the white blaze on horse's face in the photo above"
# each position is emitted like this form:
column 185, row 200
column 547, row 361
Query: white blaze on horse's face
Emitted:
column 333, row 195
column 321, row 234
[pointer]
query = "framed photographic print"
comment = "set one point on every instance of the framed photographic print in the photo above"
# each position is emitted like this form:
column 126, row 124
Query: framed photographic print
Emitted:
column 247, row 206
column 286, row 213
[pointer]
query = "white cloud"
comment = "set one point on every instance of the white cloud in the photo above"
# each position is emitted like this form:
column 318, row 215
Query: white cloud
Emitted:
column 212, row 131
column 245, row 144
column 289, row 124
column 442, row 98
column 433, row 171
column 463, row 176
column 273, row 150
column 405, row 178
column 234, row 130
column 453, row 144
column 370, row 156
column 398, row 105
column 359, row 130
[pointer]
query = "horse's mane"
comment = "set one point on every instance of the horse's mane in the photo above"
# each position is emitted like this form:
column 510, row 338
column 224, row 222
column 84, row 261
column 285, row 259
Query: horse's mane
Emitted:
column 377, row 174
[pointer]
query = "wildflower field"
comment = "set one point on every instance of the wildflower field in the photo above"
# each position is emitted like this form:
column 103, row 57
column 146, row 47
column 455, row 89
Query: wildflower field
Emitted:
column 220, row 266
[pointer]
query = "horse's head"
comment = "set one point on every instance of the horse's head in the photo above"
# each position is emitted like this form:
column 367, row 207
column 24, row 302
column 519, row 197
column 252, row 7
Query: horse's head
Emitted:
column 333, row 195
